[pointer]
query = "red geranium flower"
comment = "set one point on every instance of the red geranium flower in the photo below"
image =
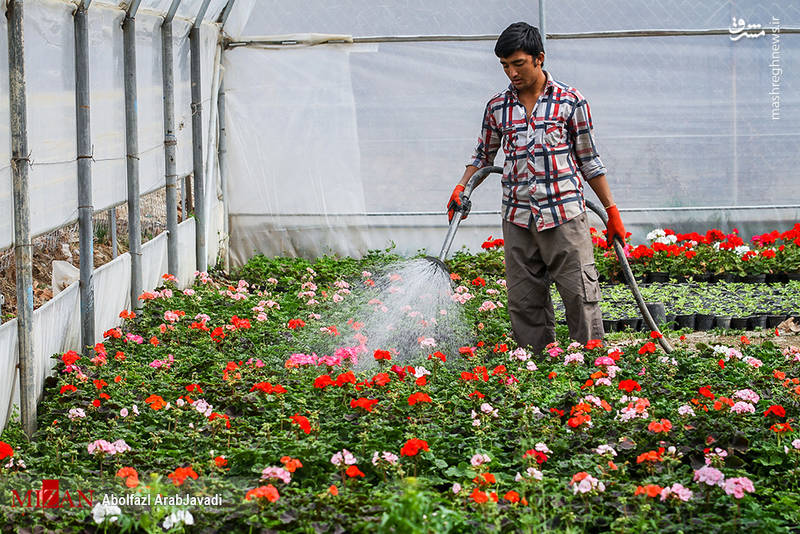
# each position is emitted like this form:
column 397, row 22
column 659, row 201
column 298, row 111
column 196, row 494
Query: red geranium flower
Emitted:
column 296, row 323
column 268, row 492
column 781, row 428
column 439, row 355
column 67, row 387
column 706, row 392
column 354, row 471
column 130, row 475
column 382, row 355
column 381, row 379
column 413, row 446
column 180, row 475
column 629, row 386
column 478, row 496
column 302, row 422
column 539, row 456
column 215, row 415
column 346, row 378
column 419, row 396
column 70, row 357
column 776, row 410
column 594, row 344
column 479, row 282
column 648, row 347
column 323, row 381
column 5, row 450
column 363, row 403
column 650, row 490
column 660, row 426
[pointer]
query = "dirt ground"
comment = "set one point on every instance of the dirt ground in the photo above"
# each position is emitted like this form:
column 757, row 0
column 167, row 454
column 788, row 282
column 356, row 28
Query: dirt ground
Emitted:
column 43, row 273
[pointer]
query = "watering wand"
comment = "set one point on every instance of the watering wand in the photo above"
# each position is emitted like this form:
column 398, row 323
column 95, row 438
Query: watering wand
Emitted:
column 466, row 205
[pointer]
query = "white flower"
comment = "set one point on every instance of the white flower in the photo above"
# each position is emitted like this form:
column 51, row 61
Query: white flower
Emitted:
column 531, row 365
column 603, row 449
column 177, row 518
column 456, row 488
column 480, row 459
column 102, row 512
column 420, row 371
column 343, row 457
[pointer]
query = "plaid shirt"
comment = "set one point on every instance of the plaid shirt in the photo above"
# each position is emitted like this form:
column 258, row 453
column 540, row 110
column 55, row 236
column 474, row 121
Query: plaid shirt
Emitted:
column 545, row 158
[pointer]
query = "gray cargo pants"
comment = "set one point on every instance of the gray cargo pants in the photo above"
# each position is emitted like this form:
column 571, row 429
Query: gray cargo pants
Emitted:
column 562, row 254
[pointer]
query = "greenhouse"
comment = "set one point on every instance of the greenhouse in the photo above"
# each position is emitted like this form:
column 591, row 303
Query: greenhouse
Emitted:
column 239, row 292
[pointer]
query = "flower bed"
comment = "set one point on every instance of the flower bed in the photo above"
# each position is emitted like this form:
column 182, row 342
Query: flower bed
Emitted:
column 710, row 256
column 215, row 393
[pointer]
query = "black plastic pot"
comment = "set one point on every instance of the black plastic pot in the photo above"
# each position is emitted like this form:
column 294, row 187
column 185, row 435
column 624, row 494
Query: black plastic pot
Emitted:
column 630, row 322
column 702, row 277
column 686, row 320
column 656, row 277
column 722, row 321
column 703, row 322
column 670, row 319
column 724, row 277
column 739, row 323
column 754, row 278
column 775, row 278
column 610, row 325
column 775, row 320
column 790, row 277
column 756, row 321
column 657, row 312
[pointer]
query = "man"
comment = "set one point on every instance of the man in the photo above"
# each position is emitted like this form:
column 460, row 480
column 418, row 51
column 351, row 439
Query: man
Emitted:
column 545, row 130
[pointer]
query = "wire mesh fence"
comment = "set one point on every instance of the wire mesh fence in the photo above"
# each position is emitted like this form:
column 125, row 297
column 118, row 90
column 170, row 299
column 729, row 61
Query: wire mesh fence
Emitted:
column 110, row 240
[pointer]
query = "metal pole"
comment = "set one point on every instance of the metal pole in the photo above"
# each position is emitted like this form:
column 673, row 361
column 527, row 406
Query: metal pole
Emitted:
column 197, row 142
column 226, row 12
column 170, row 141
column 84, row 143
column 132, row 149
column 112, row 223
column 541, row 22
column 184, row 203
column 223, row 171
column 23, row 250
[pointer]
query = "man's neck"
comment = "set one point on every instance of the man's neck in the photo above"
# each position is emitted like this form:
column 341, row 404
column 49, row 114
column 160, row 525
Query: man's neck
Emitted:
column 536, row 90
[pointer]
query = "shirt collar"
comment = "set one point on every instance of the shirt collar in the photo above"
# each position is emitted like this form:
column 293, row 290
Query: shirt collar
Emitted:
column 548, row 86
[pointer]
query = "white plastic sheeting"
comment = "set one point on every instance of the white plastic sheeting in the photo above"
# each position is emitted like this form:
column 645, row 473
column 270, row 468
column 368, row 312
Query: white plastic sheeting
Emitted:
column 56, row 325
column 363, row 18
column 682, row 122
column 49, row 46
column 6, row 189
column 53, row 182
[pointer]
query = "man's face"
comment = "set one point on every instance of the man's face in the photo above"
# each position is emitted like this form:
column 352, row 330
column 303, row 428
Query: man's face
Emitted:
column 523, row 69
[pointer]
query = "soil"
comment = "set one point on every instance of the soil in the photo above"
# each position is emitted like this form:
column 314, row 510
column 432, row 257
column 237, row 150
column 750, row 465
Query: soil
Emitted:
column 43, row 274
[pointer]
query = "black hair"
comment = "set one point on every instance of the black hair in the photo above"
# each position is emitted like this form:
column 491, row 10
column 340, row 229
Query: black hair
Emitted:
column 519, row 36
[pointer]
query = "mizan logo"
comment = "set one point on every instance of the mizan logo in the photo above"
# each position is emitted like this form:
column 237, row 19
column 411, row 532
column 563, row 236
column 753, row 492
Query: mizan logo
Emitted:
column 50, row 496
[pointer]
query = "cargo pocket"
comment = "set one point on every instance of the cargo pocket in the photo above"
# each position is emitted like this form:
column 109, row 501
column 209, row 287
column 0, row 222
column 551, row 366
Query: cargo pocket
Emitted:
column 591, row 287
